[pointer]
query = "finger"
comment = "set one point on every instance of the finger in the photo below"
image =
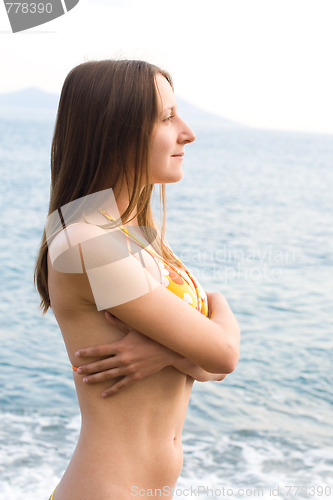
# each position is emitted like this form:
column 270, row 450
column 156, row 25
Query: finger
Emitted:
column 118, row 386
column 98, row 350
column 98, row 366
column 103, row 376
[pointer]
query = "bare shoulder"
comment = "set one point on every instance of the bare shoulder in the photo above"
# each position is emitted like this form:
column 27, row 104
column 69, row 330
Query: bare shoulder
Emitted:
column 67, row 279
column 113, row 273
column 82, row 245
column 71, row 236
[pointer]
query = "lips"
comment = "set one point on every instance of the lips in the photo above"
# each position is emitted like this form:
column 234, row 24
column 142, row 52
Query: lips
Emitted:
column 180, row 155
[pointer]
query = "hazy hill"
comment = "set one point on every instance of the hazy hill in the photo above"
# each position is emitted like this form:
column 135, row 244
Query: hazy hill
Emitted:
column 29, row 98
column 33, row 98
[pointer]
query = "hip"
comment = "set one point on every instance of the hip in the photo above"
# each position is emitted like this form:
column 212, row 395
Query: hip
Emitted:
column 118, row 475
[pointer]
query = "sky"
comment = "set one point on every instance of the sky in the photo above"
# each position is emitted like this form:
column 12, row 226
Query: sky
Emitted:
column 263, row 63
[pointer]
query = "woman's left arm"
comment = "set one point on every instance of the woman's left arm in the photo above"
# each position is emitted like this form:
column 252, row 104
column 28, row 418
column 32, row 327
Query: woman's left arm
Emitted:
column 134, row 358
column 195, row 371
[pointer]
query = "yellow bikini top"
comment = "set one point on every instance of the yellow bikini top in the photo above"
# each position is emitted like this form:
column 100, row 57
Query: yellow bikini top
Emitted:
column 188, row 289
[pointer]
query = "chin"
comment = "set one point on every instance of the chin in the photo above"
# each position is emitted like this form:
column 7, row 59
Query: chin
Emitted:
column 174, row 176
column 179, row 178
column 169, row 179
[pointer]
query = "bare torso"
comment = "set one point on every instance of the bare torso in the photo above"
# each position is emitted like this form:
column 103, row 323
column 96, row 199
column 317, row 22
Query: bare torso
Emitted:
column 132, row 440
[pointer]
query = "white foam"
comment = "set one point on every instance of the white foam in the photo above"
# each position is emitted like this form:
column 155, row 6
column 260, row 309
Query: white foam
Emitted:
column 34, row 452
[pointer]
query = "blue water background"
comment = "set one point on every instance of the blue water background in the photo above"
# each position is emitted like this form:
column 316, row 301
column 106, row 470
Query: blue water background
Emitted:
column 253, row 219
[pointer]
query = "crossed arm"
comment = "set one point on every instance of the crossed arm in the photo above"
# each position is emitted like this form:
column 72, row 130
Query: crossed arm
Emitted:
column 133, row 358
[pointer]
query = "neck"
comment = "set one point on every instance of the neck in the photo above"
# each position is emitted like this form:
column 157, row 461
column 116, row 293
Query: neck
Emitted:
column 122, row 199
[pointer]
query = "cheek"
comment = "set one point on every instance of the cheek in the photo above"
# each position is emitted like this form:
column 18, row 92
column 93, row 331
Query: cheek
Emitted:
column 162, row 143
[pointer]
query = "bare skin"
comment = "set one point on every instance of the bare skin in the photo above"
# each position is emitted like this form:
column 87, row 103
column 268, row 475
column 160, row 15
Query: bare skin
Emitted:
column 120, row 433
column 133, row 439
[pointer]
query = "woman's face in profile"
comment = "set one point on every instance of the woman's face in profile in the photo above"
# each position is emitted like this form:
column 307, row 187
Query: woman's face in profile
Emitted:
column 169, row 137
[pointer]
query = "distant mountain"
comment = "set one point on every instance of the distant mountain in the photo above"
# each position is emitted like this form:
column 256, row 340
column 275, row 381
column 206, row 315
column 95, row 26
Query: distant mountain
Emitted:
column 29, row 98
column 33, row 98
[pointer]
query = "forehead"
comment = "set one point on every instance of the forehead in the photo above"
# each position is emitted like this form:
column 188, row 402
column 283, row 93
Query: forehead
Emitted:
column 165, row 96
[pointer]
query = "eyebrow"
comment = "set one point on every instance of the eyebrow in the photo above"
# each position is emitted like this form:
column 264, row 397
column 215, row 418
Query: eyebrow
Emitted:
column 170, row 108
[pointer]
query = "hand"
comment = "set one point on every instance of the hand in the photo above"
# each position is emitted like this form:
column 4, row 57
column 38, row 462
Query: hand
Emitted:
column 132, row 358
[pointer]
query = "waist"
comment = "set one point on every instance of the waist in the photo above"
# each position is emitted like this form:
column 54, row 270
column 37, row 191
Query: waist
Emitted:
column 130, row 440
column 151, row 409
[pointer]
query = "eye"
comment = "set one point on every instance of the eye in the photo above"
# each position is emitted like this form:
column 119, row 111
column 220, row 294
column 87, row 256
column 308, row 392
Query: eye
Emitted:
column 168, row 118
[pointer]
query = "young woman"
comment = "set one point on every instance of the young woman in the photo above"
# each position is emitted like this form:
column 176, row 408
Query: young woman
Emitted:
column 107, row 272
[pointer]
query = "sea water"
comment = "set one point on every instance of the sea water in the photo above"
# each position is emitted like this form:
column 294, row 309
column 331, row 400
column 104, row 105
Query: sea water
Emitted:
column 252, row 218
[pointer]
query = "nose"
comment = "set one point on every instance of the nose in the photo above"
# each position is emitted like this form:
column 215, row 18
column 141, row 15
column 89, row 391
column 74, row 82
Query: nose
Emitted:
column 186, row 134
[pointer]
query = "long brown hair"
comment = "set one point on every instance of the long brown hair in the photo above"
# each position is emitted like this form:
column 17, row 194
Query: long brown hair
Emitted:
column 107, row 111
